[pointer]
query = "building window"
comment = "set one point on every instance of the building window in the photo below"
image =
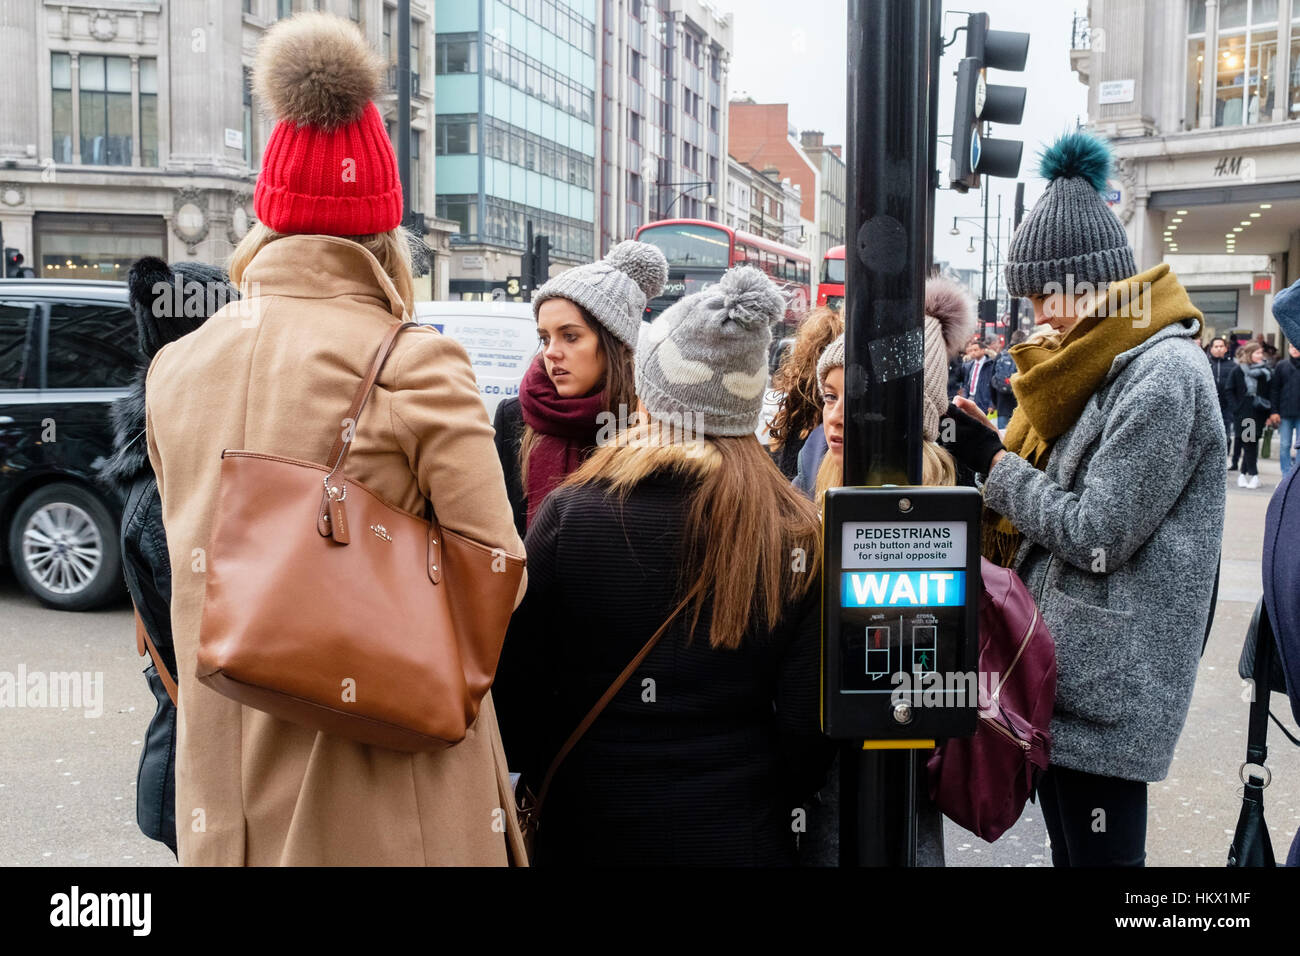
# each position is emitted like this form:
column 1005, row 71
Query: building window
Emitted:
column 354, row 11
column 713, row 118
column 416, row 172
column 456, row 134
column 457, row 53
column 635, row 127
column 61, row 83
column 389, row 28
column 149, row 114
column 248, row 117
column 417, row 66
column 105, row 96
column 636, row 66
column 88, row 246
column 1245, row 62
column 283, row 8
column 248, row 6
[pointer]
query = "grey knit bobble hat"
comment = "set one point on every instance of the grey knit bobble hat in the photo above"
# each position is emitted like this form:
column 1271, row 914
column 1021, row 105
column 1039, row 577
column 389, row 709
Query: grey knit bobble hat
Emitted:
column 1070, row 237
column 832, row 357
column 615, row 289
column 706, row 356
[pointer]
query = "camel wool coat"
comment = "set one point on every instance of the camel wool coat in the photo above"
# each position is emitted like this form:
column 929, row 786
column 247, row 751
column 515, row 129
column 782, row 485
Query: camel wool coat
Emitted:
column 276, row 373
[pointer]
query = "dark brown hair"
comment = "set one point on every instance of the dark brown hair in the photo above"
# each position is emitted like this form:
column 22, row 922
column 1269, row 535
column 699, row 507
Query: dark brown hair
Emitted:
column 619, row 385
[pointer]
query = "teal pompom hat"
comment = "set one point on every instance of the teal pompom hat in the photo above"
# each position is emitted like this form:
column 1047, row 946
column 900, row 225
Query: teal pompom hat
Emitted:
column 1070, row 237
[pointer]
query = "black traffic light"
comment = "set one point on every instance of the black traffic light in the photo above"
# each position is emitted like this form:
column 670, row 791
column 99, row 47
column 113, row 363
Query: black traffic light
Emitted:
column 13, row 263
column 541, row 259
column 980, row 102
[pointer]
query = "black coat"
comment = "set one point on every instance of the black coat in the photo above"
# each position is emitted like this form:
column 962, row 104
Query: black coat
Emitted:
column 705, row 755
column 1222, row 369
column 509, row 425
column 982, row 394
column 147, row 569
column 1285, row 388
column 1243, row 403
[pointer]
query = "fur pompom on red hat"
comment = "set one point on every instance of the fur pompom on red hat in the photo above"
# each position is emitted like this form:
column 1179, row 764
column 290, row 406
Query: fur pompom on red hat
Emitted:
column 329, row 167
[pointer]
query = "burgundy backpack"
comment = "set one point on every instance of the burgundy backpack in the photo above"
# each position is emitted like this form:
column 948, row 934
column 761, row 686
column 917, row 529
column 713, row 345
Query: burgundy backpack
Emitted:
column 982, row 782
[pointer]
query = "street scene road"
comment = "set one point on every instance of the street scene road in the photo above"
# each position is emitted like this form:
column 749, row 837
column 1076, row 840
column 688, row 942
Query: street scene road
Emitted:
column 67, row 780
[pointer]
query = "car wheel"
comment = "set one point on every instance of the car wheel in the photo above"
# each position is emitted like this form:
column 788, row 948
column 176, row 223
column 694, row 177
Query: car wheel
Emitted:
column 63, row 548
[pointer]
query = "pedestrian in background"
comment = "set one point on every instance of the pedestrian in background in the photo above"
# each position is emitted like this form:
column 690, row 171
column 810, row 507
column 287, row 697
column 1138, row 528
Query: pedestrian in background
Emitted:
column 1222, row 368
column 1251, row 407
column 1285, row 397
column 167, row 303
column 579, row 388
column 1108, row 500
column 797, row 440
column 977, row 375
column 1004, row 366
column 707, row 751
column 324, row 277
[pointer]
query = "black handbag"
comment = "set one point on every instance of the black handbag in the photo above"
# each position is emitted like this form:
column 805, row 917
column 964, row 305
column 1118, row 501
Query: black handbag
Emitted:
column 1251, row 844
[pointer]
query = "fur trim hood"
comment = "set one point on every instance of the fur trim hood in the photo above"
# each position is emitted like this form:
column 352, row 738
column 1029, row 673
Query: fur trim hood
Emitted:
column 130, row 458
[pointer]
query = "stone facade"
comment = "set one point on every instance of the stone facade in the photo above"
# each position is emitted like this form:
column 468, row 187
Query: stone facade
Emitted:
column 130, row 130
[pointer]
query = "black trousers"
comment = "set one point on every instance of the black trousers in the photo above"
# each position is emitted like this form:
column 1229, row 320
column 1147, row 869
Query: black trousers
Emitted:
column 1249, row 450
column 1094, row 820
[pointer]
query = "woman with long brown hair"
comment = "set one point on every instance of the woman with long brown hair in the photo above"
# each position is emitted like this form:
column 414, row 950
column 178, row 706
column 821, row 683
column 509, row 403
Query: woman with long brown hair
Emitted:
column 797, row 422
column 713, row 743
column 579, row 391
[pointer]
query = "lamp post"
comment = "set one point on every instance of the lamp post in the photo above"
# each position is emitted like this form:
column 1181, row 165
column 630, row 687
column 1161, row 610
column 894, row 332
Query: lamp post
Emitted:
column 709, row 200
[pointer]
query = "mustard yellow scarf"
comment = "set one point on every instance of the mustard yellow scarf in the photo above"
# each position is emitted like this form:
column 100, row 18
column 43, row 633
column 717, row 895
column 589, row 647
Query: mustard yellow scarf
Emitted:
column 1055, row 378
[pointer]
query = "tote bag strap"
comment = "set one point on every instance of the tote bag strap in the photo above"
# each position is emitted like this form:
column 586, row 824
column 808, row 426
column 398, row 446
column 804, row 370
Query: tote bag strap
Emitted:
column 339, row 453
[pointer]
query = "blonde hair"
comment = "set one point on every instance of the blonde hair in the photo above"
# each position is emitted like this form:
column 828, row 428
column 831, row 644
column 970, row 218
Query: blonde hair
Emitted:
column 937, row 470
column 391, row 248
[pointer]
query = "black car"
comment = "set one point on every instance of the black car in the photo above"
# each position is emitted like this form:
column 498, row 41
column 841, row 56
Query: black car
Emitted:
column 67, row 351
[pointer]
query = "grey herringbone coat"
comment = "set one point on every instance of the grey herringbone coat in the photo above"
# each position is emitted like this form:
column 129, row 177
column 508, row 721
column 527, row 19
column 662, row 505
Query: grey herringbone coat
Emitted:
column 1121, row 542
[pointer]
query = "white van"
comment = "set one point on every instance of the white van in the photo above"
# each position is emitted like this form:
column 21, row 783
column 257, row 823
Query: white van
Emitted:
column 500, row 337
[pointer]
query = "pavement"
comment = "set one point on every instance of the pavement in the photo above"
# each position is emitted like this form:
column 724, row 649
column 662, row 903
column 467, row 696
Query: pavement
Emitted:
column 67, row 774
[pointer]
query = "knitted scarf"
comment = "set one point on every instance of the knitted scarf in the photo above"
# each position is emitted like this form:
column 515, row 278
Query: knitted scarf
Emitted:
column 1055, row 378
column 566, row 432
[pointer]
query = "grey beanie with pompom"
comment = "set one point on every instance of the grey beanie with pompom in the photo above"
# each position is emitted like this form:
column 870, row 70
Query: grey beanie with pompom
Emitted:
column 707, row 355
column 614, row 290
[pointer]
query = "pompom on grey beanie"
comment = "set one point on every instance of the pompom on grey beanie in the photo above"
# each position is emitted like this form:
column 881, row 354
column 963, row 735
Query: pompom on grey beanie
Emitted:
column 1070, row 237
column 615, row 289
column 706, row 356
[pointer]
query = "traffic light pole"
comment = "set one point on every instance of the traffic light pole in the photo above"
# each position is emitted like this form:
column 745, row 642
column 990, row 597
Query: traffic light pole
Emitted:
column 889, row 180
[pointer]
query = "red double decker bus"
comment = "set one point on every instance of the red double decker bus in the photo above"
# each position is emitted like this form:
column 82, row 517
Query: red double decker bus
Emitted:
column 830, row 290
column 698, row 252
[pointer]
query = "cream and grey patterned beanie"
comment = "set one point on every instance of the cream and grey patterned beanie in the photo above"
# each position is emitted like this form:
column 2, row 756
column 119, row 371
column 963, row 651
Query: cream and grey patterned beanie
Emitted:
column 615, row 289
column 707, row 355
column 832, row 357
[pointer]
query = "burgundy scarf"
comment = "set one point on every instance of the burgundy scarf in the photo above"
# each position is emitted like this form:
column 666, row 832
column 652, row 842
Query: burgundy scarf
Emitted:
column 566, row 430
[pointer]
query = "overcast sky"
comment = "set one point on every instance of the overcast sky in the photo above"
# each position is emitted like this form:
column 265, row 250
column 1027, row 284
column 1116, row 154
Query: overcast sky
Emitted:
column 794, row 51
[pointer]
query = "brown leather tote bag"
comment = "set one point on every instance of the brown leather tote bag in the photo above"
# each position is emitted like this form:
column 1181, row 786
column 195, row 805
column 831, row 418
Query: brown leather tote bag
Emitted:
column 326, row 606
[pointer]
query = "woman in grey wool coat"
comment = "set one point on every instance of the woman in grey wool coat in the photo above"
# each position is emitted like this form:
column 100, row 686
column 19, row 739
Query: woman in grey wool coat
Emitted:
column 1107, row 499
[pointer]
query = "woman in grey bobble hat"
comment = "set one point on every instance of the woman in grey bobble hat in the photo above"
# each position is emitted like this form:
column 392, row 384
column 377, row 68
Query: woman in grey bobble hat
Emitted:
column 1107, row 500
column 580, row 384
column 683, row 528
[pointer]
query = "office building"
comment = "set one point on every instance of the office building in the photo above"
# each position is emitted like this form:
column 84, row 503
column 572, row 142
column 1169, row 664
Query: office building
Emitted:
column 1201, row 102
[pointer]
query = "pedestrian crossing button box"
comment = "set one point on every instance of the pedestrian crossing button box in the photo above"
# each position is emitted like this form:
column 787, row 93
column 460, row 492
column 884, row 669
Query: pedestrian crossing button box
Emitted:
column 900, row 613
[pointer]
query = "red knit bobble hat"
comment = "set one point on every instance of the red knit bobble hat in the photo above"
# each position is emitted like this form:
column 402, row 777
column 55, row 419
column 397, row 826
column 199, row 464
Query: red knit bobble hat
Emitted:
column 329, row 167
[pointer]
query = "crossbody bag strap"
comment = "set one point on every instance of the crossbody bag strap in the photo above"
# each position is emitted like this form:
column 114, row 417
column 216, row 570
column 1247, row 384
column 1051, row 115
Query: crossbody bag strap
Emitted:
column 144, row 644
column 601, row 704
column 343, row 444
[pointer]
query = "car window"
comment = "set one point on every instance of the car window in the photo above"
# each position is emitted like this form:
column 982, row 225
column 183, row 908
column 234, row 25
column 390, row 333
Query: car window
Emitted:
column 91, row 345
column 16, row 343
